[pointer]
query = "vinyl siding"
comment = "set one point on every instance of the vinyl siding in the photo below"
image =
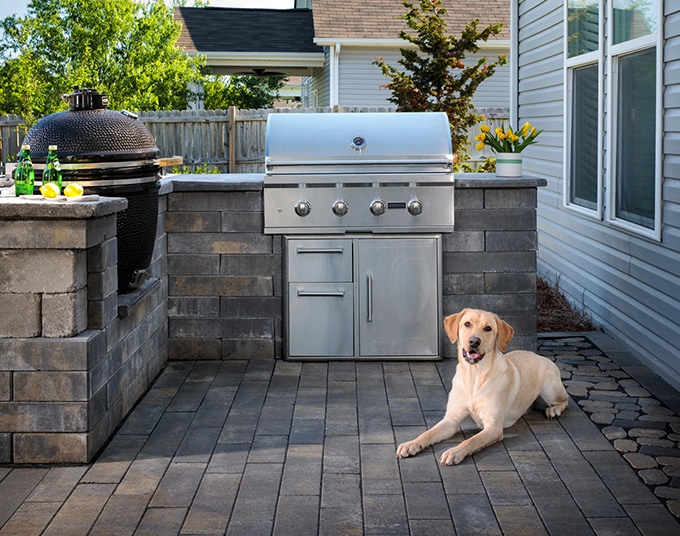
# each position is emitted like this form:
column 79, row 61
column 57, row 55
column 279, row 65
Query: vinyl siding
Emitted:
column 360, row 81
column 627, row 283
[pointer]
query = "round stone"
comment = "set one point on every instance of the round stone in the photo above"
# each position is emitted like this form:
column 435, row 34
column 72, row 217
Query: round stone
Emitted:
column 654, row 442
column 653, row 477
column 649, row 402
column 602, row 418
column 646, row 432
column 629, row 383
column 669, row 461
column 628, row 415
column 607, row 386
column 577, row 391
column 625, row 445
column 666, row 492
column 658, row 410
column 674, row 507
column 614, row 432
column 671, row 470
column 640, row 461
column 627, row 406
column 594, row 405
column 637, row 392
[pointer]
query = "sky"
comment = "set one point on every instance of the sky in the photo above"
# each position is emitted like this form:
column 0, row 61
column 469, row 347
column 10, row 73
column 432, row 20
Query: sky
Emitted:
column 19, row 7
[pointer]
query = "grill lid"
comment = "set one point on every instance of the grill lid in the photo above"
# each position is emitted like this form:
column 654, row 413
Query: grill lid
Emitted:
column 358, row 143
column 94, row 143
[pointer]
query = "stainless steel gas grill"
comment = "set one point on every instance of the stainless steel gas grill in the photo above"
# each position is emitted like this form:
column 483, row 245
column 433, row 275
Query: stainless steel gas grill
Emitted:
column 362, row 200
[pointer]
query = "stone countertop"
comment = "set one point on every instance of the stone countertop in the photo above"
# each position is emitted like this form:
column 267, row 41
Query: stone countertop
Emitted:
column 14, row 208
column 255, row 181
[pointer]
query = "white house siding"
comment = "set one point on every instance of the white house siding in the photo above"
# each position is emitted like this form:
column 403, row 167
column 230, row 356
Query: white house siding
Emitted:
column 628, row 284
column 360, row 82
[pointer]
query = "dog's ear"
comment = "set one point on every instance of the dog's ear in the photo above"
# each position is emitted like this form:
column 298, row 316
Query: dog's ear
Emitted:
column 505, row 334
column 451, row 325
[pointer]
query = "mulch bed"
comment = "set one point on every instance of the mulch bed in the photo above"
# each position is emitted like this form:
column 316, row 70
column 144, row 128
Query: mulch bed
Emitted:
column 556, row 314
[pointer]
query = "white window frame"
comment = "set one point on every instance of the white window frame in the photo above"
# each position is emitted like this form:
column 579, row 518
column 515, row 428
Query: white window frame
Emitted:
column 606, row 57
column 583, row 60
column 615, row 52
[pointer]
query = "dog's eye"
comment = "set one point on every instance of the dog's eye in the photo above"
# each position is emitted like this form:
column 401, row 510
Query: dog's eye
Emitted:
column 487, row 328
column 467, row 324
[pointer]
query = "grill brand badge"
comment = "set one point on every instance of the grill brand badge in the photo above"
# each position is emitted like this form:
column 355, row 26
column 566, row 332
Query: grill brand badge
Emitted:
column 358, row 143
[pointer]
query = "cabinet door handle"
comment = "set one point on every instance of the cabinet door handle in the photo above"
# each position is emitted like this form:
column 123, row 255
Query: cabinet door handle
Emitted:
column 332, row 293
column 320, row 250
column 369, row 294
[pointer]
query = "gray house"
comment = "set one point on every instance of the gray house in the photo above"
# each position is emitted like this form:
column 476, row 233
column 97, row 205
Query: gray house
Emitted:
column 332, row 45
column 603, row 79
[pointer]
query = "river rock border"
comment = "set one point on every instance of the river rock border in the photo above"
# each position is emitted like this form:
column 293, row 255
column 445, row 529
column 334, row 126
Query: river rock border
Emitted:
column 638, row 425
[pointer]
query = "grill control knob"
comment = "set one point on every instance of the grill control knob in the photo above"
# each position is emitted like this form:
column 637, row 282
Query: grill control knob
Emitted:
column 340, row 208
column 303, row 208
column 378, row 207
column 415, row 207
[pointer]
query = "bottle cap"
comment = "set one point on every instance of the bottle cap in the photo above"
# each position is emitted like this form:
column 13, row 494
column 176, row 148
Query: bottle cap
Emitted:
column 25, row 146
column 52, row 148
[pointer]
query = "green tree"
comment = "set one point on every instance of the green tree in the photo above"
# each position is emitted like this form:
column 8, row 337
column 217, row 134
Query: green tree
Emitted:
column 245, row 92
column 434, row 77
column 125, row 49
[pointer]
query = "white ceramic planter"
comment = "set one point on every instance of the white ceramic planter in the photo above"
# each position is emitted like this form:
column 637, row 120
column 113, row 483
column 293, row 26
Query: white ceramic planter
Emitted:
column 509, row 164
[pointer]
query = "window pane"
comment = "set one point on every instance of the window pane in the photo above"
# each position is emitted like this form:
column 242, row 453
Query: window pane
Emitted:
column 636, row 137
column 634, row 18
column 582, row 27
column 584, row 137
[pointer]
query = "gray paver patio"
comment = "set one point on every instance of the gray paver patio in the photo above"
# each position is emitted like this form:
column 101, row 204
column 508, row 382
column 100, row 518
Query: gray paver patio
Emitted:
column 284, row 448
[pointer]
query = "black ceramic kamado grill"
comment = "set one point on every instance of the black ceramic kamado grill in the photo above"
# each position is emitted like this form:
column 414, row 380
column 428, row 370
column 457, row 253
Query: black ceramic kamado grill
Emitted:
column 362, row 201
column 112, row 154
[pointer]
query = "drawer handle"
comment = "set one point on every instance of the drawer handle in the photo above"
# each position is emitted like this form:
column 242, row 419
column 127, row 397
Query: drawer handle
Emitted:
column 320, row 250
column 332, row 293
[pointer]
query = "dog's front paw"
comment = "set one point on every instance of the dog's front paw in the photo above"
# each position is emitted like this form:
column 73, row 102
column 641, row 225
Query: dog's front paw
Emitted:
column 410, row 448
column 452, row 456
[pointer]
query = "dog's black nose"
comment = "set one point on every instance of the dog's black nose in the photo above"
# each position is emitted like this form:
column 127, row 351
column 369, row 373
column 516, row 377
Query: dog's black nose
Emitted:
column 474, row 342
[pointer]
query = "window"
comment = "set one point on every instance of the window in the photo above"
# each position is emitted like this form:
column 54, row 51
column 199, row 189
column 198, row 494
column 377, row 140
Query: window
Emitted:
column 635, row 137
column 612, row 109
column 584, row 165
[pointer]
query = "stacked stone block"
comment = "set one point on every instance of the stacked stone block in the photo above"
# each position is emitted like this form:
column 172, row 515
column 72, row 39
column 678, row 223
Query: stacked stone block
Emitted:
column 75, row 356
column 490, row 259
column 224, row 273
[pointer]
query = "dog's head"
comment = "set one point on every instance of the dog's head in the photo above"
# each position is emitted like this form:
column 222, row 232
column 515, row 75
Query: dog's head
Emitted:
column 478, row 333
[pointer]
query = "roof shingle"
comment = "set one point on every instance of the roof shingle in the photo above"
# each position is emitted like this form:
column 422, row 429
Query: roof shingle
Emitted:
column 380, row 19
column 245, row 30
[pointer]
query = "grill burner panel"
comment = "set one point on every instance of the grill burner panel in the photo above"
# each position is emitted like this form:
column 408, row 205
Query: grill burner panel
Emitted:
column 383, row 208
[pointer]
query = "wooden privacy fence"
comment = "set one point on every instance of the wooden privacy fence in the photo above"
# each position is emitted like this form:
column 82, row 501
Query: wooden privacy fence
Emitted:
column 229, row 141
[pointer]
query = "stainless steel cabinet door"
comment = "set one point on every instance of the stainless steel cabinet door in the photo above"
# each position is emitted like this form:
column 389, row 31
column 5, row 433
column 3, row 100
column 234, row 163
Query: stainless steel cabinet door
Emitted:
column 398, row 297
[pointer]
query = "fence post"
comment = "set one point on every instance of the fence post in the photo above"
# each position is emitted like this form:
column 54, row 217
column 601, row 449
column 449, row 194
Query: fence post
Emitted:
column 232, row 139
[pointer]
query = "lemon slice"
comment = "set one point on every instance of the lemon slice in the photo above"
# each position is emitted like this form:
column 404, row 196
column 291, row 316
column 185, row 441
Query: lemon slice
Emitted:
column 50, row 190
column 73, row 190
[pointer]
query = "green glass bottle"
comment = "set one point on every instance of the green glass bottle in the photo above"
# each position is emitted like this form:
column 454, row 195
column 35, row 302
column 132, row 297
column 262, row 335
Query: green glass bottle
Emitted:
column 52, row 171
column 24, row 174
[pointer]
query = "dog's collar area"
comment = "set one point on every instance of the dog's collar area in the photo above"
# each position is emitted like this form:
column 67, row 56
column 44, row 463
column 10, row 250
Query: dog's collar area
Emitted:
column 472, row 357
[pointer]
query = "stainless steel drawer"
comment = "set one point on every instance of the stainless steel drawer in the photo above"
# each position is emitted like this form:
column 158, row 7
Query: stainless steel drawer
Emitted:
column 319, row 260
column 323, row 320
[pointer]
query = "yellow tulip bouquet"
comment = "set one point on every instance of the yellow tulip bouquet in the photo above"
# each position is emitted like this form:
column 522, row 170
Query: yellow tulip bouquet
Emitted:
column 507, row 140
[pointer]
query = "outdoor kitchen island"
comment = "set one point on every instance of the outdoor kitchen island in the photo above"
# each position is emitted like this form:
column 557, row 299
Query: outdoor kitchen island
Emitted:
column 215, row 293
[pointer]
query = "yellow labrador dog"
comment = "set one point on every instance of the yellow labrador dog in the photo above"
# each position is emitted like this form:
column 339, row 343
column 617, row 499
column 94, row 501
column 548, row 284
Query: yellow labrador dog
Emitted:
column 493, row 388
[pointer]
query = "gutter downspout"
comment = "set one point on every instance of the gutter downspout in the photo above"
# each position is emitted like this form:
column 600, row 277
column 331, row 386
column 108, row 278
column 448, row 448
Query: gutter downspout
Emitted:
column 334, row 56
column 513, row 60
